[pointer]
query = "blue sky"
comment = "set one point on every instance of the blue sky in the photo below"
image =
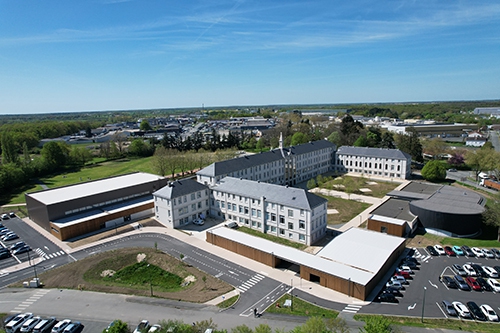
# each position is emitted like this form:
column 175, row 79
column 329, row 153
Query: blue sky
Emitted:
column 118, row 54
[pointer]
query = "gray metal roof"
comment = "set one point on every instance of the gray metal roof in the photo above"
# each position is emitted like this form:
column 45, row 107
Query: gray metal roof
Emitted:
column 421, row 188
column 373, row 152
column 395, row 208
column 72, row 192
column 247, row 161
column 453, row 200
column 283, row 195
column 180, row 188
column 339, row 258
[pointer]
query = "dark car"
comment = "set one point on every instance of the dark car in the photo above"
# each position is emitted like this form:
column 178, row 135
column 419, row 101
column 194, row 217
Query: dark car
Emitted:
column 12, row 214
column 449, row 282
column 414, row 260
column 496, row 253
column 232, row 225
column 386, row 297
column 462, row 285
column 449, row 251
column 484, row 285
column 4, row 254
column 410, row 264
column 432, row 251
column 449, row 309
column 393, row 291
column 479, row 270
column 23, row 249
column 496, row 268
column 468, row 251
column 476, row 311
column 17, row 245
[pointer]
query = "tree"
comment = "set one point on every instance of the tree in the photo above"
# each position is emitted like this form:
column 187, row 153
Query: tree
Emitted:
column 145, row 126
column 242, row 329
column 117, row 327
column 311, row 183
column 435, row 147
column 361, row 141
column 377, row 324
column 55, row 153
column 491, row 215
column 312, row 325
column 140, row 147
column 387, row 140
column 349, row 130
column 480, row 160
column 336, row 325
column 299, row 138
column 457, row 159
column 410, row 144
column 434, row 171
column 9, row 149
column 160, row 161
column 80, row 155
column 349, row 186
column 263, row 328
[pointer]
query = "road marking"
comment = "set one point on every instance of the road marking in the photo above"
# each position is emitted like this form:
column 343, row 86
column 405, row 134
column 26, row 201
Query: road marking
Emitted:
column 441, row 310
column 411, row 307
column 248, row 312
column 432, row 284
column 352, row 308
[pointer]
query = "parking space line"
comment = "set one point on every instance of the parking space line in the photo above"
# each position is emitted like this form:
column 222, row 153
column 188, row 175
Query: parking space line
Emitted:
column 441, row 310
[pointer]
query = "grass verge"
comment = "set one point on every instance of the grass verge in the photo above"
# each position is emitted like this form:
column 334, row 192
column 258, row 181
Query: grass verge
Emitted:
column 300, row 308
column 228, row 302
column 347, row 209
column 272, row 238
column 451, row 324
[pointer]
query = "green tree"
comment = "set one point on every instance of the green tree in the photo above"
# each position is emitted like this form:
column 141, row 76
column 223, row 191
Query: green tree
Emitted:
column 117, row 327
column 312, row 325
column 311, row 183
column 491, row 215
column 55, row 153
column 80, row 155
column 241, row 329
column 160, row 161
column 480, row 160
column 361, row 142
column 140, row 147
column 434, row 171
column 263, row 328
column 336, row 325
column 435, row 147
column 349, row 186
column 377, row 324
column 410, row 144
column 9, row 149
column 145, row 126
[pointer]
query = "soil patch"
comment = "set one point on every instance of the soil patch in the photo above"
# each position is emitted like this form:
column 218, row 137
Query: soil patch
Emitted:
column 87, row 274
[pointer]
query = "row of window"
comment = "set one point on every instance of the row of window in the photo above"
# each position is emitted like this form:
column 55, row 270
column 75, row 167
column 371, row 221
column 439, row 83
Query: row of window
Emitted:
column 106, row 203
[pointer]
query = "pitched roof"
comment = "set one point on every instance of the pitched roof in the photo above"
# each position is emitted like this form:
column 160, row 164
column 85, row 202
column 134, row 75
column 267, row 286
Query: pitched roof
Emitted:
column 373, row 152
column 282, row 195
column 247, row 161
column 180, row 188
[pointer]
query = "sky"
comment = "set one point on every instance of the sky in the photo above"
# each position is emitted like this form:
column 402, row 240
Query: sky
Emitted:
column 92, row 55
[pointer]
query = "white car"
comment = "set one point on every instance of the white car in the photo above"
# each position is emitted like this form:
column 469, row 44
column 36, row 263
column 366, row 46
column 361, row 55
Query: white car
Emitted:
column 490, row 271
column 199, row 222
column 15, row 323
column 154, row 328
column 469, row 270
column 394, row 284
column 404, row 268
column 488, row 254
column 477, row 252
column 30, row 324
column 461, row 310
column 439, row 250
column 494, row 285
column 142, row 327
column 398, row 278
column 61, row 325
column 489, row 312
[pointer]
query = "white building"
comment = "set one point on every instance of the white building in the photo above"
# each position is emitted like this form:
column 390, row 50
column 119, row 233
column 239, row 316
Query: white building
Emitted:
column 382, row 162
column 283, row 211
column 181, row 202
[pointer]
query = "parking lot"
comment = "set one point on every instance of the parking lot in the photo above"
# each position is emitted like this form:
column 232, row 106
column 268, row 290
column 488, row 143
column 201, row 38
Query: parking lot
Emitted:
column 426, row 283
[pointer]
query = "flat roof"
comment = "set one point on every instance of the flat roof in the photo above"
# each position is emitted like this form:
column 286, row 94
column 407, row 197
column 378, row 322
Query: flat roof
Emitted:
column 396, row 209
column 76, row 191
column 340, row 258
column 388, row 219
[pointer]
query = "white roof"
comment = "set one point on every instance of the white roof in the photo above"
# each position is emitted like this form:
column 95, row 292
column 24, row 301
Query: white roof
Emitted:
column 362, row 249
column 388, row 219
column 335, row 262
column 86, row 189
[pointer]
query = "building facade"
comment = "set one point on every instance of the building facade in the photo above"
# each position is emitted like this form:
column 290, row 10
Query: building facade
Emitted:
column 389, row 163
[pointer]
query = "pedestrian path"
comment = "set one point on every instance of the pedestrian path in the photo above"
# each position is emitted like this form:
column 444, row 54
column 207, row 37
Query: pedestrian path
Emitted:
column 250, row 283
column 352, row 308
column 46, row 256
column 29, row 301
column 420, row 256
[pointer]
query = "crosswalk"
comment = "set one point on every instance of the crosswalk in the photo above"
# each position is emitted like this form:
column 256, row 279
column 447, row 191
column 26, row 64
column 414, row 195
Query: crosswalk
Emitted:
column 352, row 308
column 32, row 299
column 46, row 256
column 421, row 257
column 250, row 283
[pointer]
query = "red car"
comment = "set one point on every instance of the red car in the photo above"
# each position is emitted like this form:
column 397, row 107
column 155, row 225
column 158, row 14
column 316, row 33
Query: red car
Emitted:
column 404, row 274
column 473, row 283
column 449, row 251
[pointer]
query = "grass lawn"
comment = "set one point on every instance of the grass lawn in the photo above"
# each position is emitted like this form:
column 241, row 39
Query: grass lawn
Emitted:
column 300, row 308
column 378, row 190
column 228, row 302
column 272, row 238
column 452, row 324
column 348, row 209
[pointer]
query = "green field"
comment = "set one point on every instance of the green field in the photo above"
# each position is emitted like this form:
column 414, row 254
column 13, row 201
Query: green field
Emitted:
column 300, row 308
column 347, row 209
column 272, row 238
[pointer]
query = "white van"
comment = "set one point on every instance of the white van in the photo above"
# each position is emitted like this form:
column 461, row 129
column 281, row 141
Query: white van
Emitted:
column 45, row 325
column 15, row 324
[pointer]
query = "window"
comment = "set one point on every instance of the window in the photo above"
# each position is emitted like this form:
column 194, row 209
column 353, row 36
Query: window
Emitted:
column 193, row 207
column 273, row 228
column 185, row 198
column 245, row 209
column 193, row 196
column 254, row 223
column 301, row 212
column 282, row 208
column 259, row 225
column 241, row 209
column 273, row 217
column 199, row 204
column 234, row 207
column 282, row 219
column 383, row 229
column 302, row 238
column 222, row 204
column 254, row 212
column 302, row 224
column 198, row 194
column 259, row 214
column 282, row 232
column 290, row 213
column 290, row 235
column 290, row 226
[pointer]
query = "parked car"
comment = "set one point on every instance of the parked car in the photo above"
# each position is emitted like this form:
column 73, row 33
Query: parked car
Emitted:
column 412, row 259
column 404, row 274
column 9, row 237
column 449, row 309
column 12, row 214
column 488, row 254
column 5, row 217
column 449, row 282
column 142, row 327
column 405, row 268
column 484, row 284
column 495, row 285
column 492, row 273
column 462, row 285
column 449, row 252
column 477, row 252
column 30, row 324
column 488, row 312
column 459, row 270
column 479, row 270
column 394, row 291
column 15, row 323
column 468, row 252
column 469, row 270
column 45, row 325
column 439, row 249
column 22, row 249
column 154, row 328
column 17, row 245
column 4, row 231
column 432, row 251
column 399, row 278
column 4, row 254
column 458, row 251
column 476, row 311
column 395, row 284
column 232, row 225
column 73, row 327
column 410, row 264
column 60, row 326
column 199, row 222
column 386, row 297
column 496, row 253
column 473, row 283
column 461, row 310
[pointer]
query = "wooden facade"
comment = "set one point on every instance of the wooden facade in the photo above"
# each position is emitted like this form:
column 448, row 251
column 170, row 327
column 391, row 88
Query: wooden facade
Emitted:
column 94, row 224
column 327, row 280
column 387, row 227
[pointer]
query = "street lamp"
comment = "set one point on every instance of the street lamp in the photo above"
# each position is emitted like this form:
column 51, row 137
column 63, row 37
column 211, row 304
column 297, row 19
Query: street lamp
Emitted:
column 423, row 305
column 291, row 295
column 150, row 283
column 34, row 264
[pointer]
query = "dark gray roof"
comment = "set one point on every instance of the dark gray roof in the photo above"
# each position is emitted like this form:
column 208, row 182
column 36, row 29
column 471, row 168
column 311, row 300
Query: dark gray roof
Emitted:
column 179, row 188
column 373, row 152
column 453, row 200
column 283, row 195
column 247, row 161
column 395, row 208
column 426, row 189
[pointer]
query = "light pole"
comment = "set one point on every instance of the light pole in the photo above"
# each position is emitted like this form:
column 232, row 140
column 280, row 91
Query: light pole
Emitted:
column 291, row 294
column 423, row 304
column 34, row 264
column 150, row 283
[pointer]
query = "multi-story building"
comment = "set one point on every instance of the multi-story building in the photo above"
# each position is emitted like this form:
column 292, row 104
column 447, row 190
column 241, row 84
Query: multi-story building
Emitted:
column 283, row 211
column 390, row 163
column 181, row 202
column 283, row 166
